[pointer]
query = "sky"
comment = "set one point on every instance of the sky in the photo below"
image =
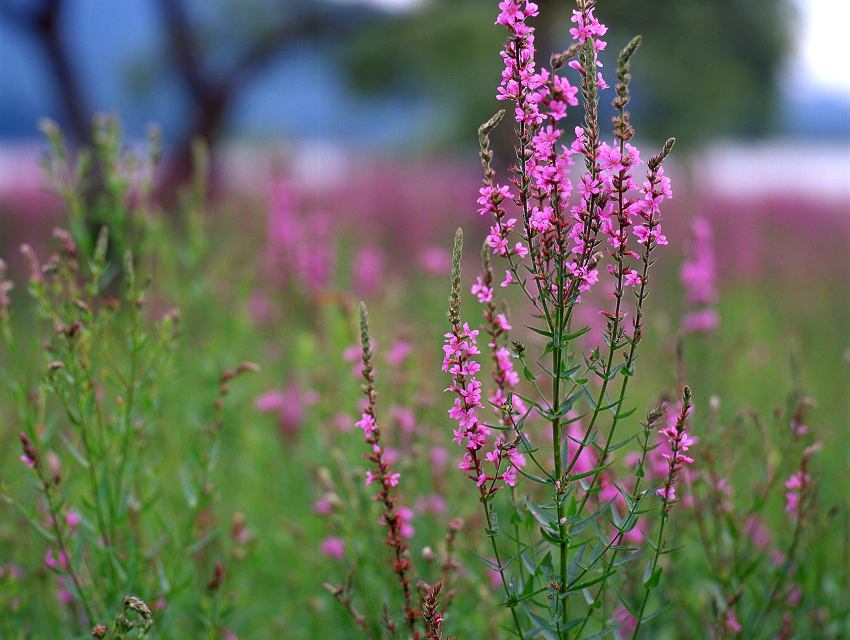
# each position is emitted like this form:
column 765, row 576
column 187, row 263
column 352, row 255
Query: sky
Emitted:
column 821, row 58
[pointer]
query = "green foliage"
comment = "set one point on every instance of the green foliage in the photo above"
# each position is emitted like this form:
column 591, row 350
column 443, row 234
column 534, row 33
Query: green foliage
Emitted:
column 706, row 68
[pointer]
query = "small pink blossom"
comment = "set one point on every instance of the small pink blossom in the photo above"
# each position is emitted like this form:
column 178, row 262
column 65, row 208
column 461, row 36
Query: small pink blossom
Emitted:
column 731, row 621
column 333, row 547
column 399, row 352
column 73, row 519
column 323, row 506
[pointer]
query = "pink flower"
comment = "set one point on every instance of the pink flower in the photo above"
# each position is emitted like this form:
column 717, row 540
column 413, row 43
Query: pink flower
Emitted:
column 323, row 506
column 502, row 322
column 433, row 503
column 299, row 246
column 795, row 488
column 270, row 402
column 73, row 519
column 435, row 260
column 625, row 622
column 368, row 269
column 509, row 476
column 678, row 442
column 367, row 424
column 57, row 561
column 702, row 321
column 63, row 595
column 438, row 457
column 646, row 235
column 698, row 275
column 399, row 352
column 731, row 621
column 405, row 419
column 333, row 548
column 483, row 292
column 290, row 405
column 405, row 515
column 632, row 278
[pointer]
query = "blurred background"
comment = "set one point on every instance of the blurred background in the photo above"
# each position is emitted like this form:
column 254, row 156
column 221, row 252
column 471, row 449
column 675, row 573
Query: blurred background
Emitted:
column 357, row 119
column 346, row 129
column 357, row 97
column 741, row 81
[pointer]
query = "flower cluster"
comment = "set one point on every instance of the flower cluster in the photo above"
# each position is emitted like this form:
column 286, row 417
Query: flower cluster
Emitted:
column 679, row 442
column 698, row 277
column 396, row 519
column 299, row 247
column 795, row 489
column 550, row 226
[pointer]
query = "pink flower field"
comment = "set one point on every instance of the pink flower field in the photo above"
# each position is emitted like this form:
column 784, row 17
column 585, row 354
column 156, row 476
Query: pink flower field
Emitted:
column 571, row 382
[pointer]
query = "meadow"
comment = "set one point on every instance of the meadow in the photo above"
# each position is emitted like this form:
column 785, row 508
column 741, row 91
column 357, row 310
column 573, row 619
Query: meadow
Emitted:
column 224, row 415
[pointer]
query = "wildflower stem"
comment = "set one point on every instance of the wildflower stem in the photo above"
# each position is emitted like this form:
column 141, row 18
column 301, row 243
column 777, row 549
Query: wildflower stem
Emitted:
column 651, row 420
column 55, row 520
column 658, row 546
column 679, row 443
column 491, row 534
column 395, row 539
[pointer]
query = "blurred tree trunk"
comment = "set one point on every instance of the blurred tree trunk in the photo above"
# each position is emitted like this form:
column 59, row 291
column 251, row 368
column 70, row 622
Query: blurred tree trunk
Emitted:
column 211, row 95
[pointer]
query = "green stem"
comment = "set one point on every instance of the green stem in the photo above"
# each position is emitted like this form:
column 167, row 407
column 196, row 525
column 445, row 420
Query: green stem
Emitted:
column 497, row 555
column 647, row 589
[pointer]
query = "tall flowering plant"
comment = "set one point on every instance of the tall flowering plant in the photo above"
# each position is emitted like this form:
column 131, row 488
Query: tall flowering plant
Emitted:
column 569, row 210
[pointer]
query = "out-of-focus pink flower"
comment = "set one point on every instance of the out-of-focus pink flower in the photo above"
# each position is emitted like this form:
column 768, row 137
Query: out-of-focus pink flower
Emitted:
column 795, row 488
column 702, row 321
column 731, row 621
column 433, row 503
column 495, row 579
column 405, row 514
column 368, row 269
column 342, row 422
column 757, row 532
column 399, row 352
column 438, row 457
column 625, row 622
column 333, row 547
column 323, row 506
column 73, row 519
column 795, row 595
column 698, row 274
column 352, row 354
column 57, row 561
column 290, row 405
column 270, row 402
column 391, row 455
column 435, row 260
column 260, row 308
column 405, row 419
column 63, row 595
column 299, row 245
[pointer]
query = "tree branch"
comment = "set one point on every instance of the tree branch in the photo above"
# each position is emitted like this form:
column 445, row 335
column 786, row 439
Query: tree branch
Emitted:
column 43, row 23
